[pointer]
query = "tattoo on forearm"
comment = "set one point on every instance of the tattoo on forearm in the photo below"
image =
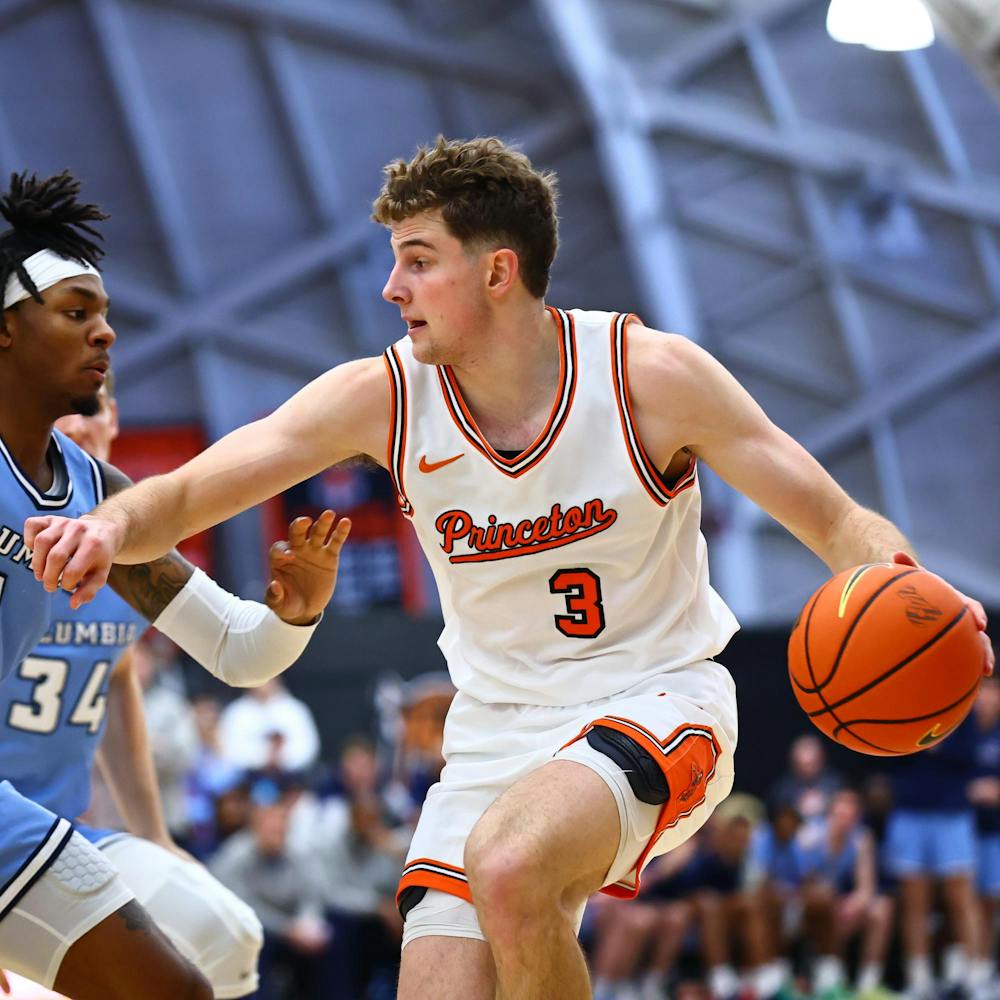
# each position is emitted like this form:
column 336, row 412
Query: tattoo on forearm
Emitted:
column 150, row 587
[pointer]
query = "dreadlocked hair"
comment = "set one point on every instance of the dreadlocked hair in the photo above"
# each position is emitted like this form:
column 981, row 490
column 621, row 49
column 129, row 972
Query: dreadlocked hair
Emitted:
column 45, row 215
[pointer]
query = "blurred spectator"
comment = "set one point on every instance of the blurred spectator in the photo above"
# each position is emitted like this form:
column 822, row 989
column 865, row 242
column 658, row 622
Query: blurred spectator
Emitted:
column 412, row 718
column 931, row 839
column 777, row 870
column 808, row 785
column 728, row 912
column 653, row 926
column 359, row 850
column 210, row 779
column 841, row 898
column 984, row 791
column 267, row 727
column 280, row 883
column 173, row 738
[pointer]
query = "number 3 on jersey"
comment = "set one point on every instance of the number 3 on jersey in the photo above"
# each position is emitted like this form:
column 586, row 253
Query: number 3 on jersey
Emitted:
column 582, row 590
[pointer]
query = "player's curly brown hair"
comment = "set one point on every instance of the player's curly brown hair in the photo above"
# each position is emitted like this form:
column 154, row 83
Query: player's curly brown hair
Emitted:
column 489, row 195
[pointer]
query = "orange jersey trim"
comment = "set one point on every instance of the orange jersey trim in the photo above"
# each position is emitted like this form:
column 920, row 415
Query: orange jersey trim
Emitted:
column 542, row 445
column 396, row 446
column 430, row 874
column 650, row 477
column 688, row 758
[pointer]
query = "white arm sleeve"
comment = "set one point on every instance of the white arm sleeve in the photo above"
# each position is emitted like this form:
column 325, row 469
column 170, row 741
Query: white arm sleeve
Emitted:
column 241, row 642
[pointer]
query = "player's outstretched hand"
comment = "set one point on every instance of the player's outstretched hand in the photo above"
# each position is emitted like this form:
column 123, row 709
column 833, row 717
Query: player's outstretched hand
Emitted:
column 977, row 610
column 304, row 568
column 74, row 553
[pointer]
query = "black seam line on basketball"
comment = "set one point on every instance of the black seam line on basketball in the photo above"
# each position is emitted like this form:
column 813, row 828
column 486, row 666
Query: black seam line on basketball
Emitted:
column 892, row 670
column 819, row 690
column 850, row 631
column 915, row 718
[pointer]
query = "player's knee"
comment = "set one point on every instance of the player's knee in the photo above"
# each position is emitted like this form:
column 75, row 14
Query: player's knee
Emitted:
column 228, row 955
column 223, row 937
column 506, row 877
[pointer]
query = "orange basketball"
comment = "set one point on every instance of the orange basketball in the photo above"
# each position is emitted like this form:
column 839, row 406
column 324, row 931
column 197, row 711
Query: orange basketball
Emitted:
column 885, row 659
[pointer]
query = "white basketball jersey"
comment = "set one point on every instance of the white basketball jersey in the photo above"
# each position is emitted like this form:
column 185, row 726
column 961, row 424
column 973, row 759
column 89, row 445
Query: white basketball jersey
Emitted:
column 573, row 571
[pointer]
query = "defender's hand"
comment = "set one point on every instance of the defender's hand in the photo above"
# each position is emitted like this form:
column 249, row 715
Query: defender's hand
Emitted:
column 304, row 568
column 977, row 610
column 73, row 553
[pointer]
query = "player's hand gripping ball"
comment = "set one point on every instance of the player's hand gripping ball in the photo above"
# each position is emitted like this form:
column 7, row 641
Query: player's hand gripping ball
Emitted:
column 886, row 658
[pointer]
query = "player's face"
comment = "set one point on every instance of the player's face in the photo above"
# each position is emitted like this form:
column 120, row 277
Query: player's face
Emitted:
column 60, row 346
column 94, row 434
column 439, row 286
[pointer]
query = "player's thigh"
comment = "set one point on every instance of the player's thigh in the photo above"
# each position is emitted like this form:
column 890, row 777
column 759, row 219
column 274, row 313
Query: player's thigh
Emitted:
column 204, row 920
column 554, row 832
column 446, row 968
column 126, row 957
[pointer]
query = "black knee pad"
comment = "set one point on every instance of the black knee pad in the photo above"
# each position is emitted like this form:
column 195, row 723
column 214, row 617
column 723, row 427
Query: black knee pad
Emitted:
column 409, row 898
column 649, row 783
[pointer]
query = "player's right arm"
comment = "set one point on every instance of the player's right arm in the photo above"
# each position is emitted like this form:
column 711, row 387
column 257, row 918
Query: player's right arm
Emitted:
column 343, row 413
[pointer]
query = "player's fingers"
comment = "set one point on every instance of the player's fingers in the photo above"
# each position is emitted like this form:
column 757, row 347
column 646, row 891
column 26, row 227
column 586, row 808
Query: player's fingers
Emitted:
column 275, row 594
column 42, row 544
column 338, row 536
column 321, row 529
column 978, row 613
column 32, row 527
column 280, row 552
column 298, row 530
column 57, row 547
column 991, row 657
column 87, row 589
column 904, row 559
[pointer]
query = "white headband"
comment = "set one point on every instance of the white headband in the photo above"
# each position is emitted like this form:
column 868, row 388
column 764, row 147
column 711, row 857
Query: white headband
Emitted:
column 45, row 268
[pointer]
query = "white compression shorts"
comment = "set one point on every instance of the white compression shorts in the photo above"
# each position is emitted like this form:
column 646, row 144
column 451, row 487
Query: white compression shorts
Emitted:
column 79, row 890
column 207, row 923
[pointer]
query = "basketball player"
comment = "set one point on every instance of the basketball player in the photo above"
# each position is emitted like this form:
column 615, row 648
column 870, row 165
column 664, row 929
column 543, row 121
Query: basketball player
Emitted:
column 548, row 462
column 77, row 688
column 67, row 918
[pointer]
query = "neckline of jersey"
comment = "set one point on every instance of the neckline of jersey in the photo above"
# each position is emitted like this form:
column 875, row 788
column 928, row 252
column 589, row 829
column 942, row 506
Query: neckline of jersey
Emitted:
column 62, row 481
column 533, row 454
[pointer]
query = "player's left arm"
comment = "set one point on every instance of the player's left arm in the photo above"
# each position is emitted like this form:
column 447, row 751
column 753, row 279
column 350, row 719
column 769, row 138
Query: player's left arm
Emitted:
column 126, row 761
column 244, row 643
column 686, row 398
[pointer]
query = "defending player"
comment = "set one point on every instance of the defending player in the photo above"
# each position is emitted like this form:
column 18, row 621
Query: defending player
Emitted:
column 77, row 688
column 66, row 916
column 547, row 460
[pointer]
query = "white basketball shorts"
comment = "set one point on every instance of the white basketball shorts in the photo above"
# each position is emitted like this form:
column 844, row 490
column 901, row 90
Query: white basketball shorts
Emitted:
column 685, row 719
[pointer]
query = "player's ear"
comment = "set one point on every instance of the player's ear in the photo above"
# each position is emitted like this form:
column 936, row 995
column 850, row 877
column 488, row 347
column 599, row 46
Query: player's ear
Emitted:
column 504, row 270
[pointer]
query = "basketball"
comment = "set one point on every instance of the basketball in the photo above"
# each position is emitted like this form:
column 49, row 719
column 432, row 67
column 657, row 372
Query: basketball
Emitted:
column 885, row 659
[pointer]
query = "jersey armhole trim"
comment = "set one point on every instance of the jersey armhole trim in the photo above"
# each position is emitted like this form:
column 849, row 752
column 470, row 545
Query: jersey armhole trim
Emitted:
column 396, row 446
column 49, row 848
column 100, row 483
column 656, row 486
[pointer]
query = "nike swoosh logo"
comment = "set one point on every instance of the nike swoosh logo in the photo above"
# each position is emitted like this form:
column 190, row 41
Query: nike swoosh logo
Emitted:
column 426, row 466
column 931, row 736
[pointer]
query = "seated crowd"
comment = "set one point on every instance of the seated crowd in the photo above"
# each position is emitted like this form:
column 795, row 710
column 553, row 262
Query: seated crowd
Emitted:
column 828, row 890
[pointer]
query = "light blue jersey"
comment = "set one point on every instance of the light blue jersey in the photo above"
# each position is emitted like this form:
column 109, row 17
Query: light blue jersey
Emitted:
column 31, row 836
column 52, row 708
column 78, row 487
